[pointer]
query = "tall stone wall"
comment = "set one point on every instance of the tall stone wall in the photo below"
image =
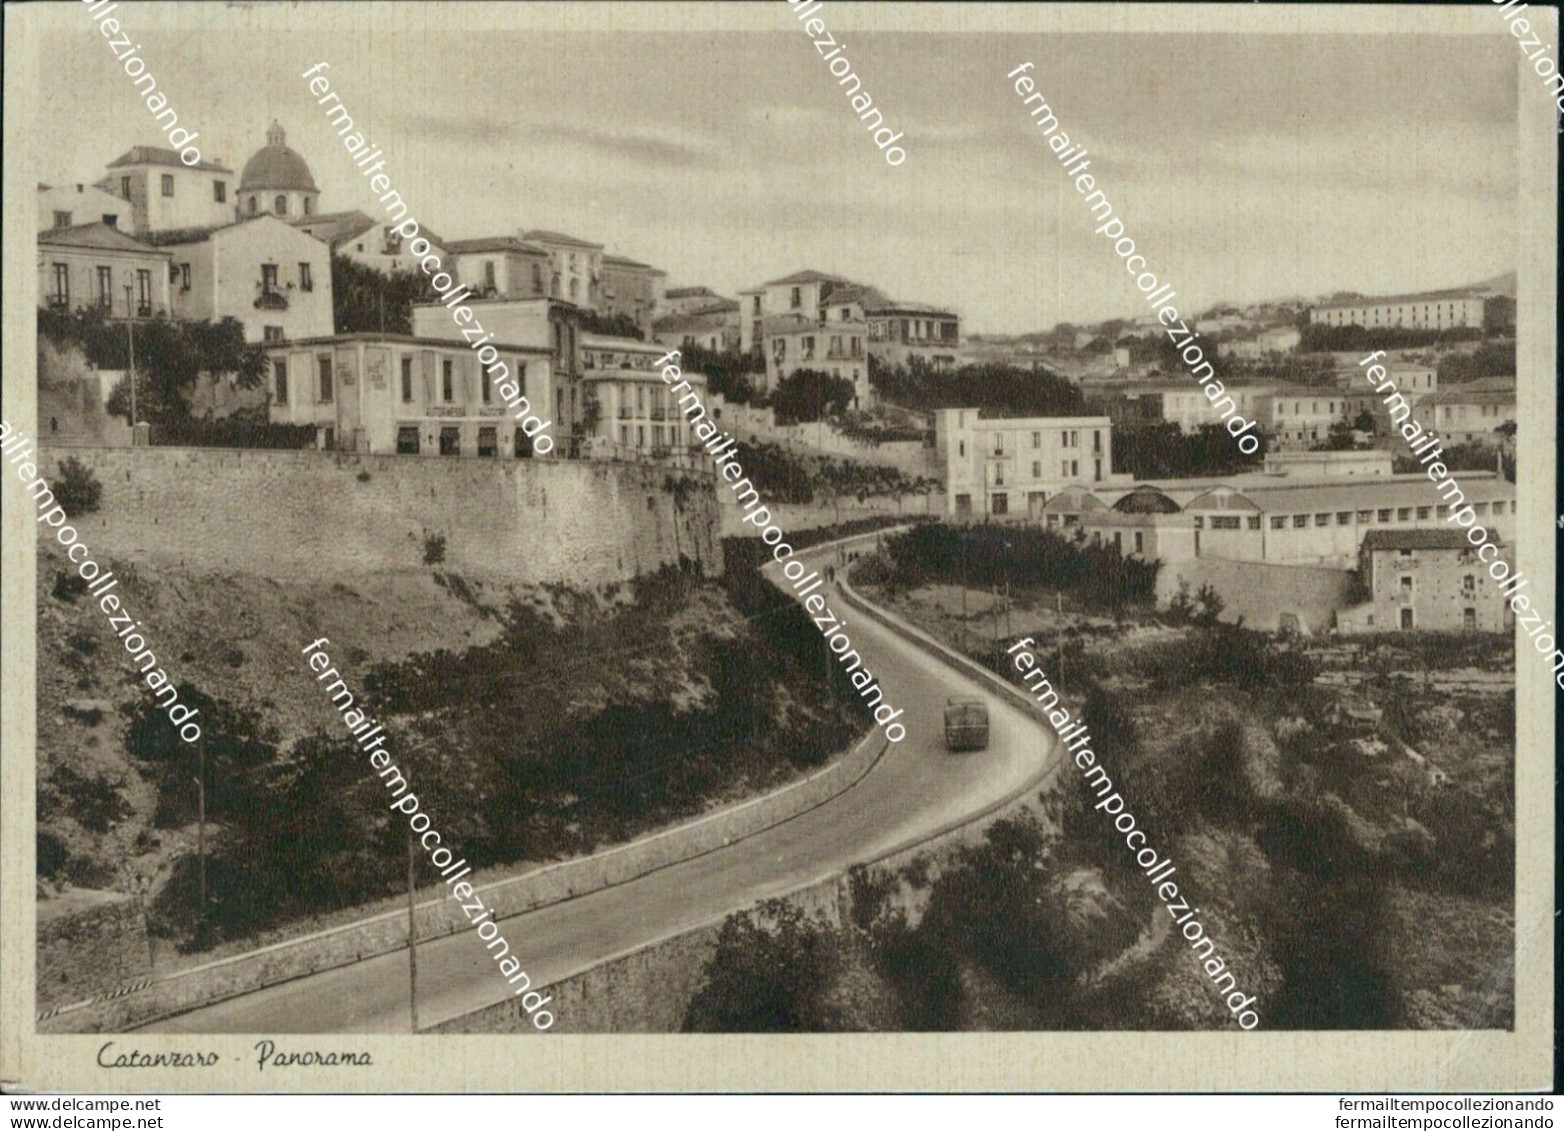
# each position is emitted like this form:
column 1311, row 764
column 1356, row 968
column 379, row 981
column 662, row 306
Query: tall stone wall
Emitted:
column 1266, row 595
column 293, row 514
column 97, row 949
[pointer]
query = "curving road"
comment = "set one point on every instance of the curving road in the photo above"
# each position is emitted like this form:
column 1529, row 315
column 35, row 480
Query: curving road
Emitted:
column 915, row 788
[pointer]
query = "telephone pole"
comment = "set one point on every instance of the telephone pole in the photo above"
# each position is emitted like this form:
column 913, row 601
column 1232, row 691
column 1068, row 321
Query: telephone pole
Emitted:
column 412, row 937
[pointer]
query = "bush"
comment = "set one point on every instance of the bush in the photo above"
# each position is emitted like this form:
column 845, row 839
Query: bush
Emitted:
column 769, row 974
column 76, row 488
column 434, row 549
column 67, row 587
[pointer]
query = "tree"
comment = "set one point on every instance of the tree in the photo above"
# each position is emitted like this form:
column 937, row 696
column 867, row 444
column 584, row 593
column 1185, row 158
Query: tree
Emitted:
column 770, row 974
column 366, row 300
column 618, row 325
column 727, row 372
column 809, row 395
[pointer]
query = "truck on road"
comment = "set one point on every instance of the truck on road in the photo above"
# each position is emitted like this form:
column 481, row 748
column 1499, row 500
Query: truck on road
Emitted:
column 966, row 724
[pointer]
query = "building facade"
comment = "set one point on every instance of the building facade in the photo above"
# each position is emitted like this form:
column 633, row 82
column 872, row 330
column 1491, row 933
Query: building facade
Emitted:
column 96, row 266
column 502, row 267
column 900, row 332
column 267, row 274
column 355, row 236
column 1426, row 580
column 638, row 417
column 1010, row 468
column 165, row 194
column 76, row 206
column 385, row 393
column 577, row 267
column 1464, row 415
column 714, row 328
column 630, row 288
column 1433, row 310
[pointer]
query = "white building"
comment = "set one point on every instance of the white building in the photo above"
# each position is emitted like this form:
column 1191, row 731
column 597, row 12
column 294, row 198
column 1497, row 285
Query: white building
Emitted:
column 577, row 266
column 99, row 266
column 165, row 194
column 639, row 417
column 1431, row 310
column 998, row 468
column 73, row 206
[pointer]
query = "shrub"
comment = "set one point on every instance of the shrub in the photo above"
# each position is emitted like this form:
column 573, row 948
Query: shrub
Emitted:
column 76, row 488
column 67, row 587
column 767, row 977
column 434, row 549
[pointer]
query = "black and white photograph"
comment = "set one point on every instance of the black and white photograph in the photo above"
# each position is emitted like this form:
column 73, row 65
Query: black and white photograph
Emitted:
column 804, row 546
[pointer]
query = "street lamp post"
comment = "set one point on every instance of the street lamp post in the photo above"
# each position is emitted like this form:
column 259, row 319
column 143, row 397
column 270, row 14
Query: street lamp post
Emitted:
column 130, row 329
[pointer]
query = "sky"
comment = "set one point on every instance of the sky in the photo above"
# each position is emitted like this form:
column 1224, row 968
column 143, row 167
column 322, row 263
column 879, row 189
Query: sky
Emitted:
column 1245, row 166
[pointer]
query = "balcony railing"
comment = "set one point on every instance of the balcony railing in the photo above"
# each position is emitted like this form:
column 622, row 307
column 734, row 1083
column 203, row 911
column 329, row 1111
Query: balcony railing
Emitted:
column 271, row 300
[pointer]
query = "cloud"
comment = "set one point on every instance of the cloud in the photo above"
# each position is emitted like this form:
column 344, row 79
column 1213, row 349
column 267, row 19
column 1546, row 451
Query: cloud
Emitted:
column 652, row 146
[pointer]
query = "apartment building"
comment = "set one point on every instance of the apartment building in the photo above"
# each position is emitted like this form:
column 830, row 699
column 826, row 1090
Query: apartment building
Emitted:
column 358, row 237
column 1011, row 467
column 638, row 415
column 1472, row 413
column 577, row 266
column 404, row 394
column 713, row 327
column 501, row 267
column 902, row 331
column 264, row 272
column 164, row 194
column 76, row 206
column 98, row 266
column 632, row 289
column 1430, row 310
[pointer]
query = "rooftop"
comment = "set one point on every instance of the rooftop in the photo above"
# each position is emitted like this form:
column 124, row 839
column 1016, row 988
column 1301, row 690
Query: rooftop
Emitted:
column 154, row 155
column 98, row 236
column 622, row 261
column 544, row 236
column 275, row 166
column 806, row 276
column 690, row 292
column 339, row 226
column 493, row 243
column 1422, row 296
column 1414, row 540
column 197, row 235
column 373, row 336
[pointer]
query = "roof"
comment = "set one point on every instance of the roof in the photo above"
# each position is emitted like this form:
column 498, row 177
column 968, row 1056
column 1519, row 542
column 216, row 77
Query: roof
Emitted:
column 892, row 306
column 1413, row 540
column 198, row 235
column 695, row 320
column 690, row 292
column 558, row 237
column 1358, row 492
column 1421, row 296
column 1146, row 499
column 1458, row 395
column 806, row 276
column 613, row 342
column 339, row 226
column 154, row 155
column 98, row 236
column 622, row 261
column 869, row 297
column 493, row 243
column 786, row 324
column 275, row 166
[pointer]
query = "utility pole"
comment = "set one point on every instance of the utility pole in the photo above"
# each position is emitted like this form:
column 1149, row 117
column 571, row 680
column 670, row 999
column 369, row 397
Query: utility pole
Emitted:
column 412, row 937
column 130, row 329
column 201, row 831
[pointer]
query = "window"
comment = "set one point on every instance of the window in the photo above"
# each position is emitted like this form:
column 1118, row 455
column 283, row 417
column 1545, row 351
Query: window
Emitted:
column 1299, row 521
column 1278, row 522
column 309, row 206
column 1343, row 518
column 1469, row 619
column 1481, row 508
column 220, row 191
column 1075, row 467
column 1096, row 441
column 1322, row 520
column 268, row 278
column 106, row 287
column 575, row 287
column 1064, row 469
column 254, row 207
column 537, row 287
column 797, row 297
column 488, row 442
column 1384, row 514
column 124, row 187
column 280, row 374
column 450, row 441
column 272, row 334
column 999, row 475
column 488, row 275
column 488, row 391
column 963, row 504
column 524, row 444
column 306, row 280
column 1200, row 522
column 62, row 286
column 447, row 381
column 1037, row 469
column 1365, row 516
column 1407, row 622
column 1406, row 584
column 962, row 447
column 168, row 184
column 280, row 205
column 1037, row 440
column 62, row 219
column 1140, row 542
column 1498, row 506
column 407, row 440
column 407, row 380
column 1225, row 522
column 1403, row 514
column 184, row 277
column 1001, row 503
column 1469, row 583
column 1424, row 512
column 144, row 293
column 324, row 361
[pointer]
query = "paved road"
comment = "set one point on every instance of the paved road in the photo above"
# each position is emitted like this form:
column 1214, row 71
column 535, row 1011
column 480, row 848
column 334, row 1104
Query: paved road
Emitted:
column 914, row 789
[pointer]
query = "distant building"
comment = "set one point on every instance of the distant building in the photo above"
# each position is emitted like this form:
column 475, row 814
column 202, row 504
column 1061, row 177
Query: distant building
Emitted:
column 638, row 415
column 502, row 267
column 715, row 327
column 1279, row 339
column 685, row 300
column 578, row 267
column 1467, row 415
column 1329, row 465
column 398, row 393
column 75, row 206
column 1299, row 416
column 163, row 193
column 92, row 265
column 1010, row 468
column 630, row 288
column 1429, row 580
column 901, row 331
column 358, row 237
column 272, row 277
column 1430, row 310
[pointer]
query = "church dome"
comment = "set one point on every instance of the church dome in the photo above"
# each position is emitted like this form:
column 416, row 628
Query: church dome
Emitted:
column 276, row 167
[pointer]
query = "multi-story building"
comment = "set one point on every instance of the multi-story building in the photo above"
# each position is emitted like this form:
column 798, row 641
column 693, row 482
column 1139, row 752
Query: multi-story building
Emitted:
column 638, row 417
column 502, row 267
column 1278, row 339
column 412, row 395
column 1179, row 401
column 1329, row 465
column 714, row 327
column 999, row 468
column 277, row 180
column 99, row 266
column 1471, row 413
column 537, row 324
column 165, row 194
column 901, row 331
column 269, row 275
column 75, row 206
column 358, row 237
column 1428, row 580
column 1300, row 416
column 687, row 300
column 630, row 288
column 751, row 315
column 1429, row 310
column 578, row 267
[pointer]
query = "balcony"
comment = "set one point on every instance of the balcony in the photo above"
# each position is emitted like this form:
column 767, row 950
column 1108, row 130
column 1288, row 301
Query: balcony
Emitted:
column 59, row 302
column 271, row 300
column 659, row 414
